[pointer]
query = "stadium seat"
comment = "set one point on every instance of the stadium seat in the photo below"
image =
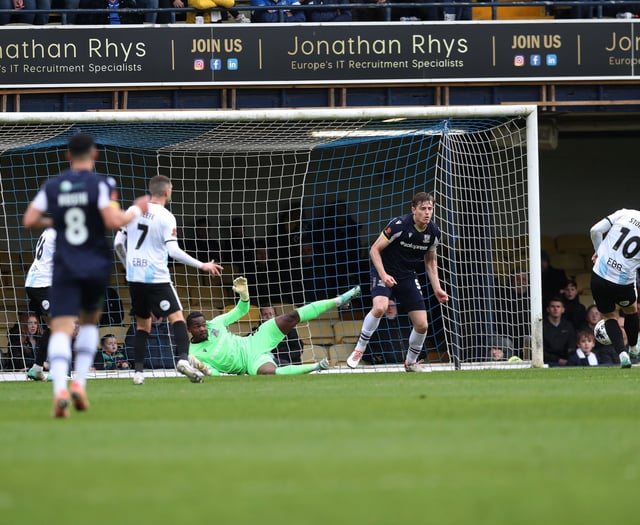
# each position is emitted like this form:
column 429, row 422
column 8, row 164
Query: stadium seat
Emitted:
column 586, row 300
column 320, row 332
column 548, row 244
column 252, row 315
column 571, row 263
column 574, row 243
column 583, row 282
column 339, row 353
column 314, row 353
column 347, row 331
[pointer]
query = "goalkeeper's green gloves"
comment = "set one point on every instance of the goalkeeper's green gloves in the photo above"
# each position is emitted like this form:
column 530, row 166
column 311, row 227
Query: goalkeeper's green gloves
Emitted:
column 241, row 287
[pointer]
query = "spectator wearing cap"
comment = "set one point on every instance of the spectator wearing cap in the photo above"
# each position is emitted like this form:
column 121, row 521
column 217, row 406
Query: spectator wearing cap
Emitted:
column 500, row 348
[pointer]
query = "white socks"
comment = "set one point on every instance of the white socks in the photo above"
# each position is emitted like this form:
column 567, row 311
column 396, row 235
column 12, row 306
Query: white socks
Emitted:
column 416, row 341
column 59, row 359
column 369, row 325
column 86, row 346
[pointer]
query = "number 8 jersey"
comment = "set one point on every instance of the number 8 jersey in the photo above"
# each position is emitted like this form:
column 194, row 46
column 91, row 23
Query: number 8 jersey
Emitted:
column 619, row 251
column 74, row 200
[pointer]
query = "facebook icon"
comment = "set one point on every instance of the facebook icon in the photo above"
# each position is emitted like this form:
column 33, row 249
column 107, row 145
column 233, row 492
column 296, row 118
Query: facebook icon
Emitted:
column 232, row 64
column 216, row 64
column 535, row 60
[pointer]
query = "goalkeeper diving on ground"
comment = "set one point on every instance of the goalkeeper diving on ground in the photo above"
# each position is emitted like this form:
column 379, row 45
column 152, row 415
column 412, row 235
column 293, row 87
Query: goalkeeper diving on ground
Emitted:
column 214, row 350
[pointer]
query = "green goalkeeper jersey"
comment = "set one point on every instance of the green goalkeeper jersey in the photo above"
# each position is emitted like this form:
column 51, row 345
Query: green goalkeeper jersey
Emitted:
column 223, row 351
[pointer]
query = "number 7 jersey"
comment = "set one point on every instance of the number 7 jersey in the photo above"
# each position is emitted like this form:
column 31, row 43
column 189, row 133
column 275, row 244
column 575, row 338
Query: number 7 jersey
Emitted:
column 619, row 252
column 147, row 238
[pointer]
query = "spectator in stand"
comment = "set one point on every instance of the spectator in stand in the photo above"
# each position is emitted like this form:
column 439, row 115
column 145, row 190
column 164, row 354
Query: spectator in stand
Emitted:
column 110, row 356
column 500, row 349
column 200, row 245
column 380, row 13
column 287, row 245
column 113, row 311
column 161, row 347
column 513, row 307
column 38, row 19
column 554, row 280
column 239, row 247
column 161, row 17
column 208, row 16
column 328, row 14
column 558, row 335
column 262, row 272
column 337, row 238
column 574, row 310
column 113, row 17
column 289, row 350
column 584, row 354
column 607, row 354
column 24, row 338
column 452, row 12
column 312, row 283
column 270, row 16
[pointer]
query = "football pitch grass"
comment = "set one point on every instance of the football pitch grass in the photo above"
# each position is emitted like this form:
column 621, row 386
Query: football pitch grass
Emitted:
column 473, row 447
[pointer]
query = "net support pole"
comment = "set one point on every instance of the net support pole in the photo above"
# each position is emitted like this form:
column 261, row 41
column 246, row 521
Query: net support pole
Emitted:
column 535, row 270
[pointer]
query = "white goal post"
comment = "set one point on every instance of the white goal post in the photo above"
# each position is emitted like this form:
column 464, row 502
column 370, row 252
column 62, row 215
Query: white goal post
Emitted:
column 310, row 190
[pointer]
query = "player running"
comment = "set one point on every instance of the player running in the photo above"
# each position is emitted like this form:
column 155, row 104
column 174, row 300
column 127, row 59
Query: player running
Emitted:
column 405, row 242
column 143, row 248
column 613, row 279
column 221, row 352
column 37, row 286
column 82, row 206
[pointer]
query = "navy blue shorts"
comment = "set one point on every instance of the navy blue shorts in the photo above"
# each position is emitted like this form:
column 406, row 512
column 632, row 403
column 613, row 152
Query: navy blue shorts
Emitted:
column 69, row 297
column 407, row 292
column 609, row 296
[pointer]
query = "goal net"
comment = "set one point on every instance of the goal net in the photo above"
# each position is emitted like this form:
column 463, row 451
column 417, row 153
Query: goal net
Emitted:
column 293, row 200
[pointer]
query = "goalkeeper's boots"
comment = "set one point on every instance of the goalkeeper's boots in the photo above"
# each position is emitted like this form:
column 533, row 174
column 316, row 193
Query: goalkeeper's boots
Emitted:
column 354, row 359
column 416, row 367
column 36, row 373
column 346, row 297
column 323, row 365
column 79, row 397
column 61, row 404
column 199, row 365
column 625, row 360
column 194, row 375
column 634, row 352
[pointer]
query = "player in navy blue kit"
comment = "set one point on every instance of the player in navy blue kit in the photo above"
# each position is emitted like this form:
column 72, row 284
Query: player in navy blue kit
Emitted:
column 401, row 247
column 82, row 207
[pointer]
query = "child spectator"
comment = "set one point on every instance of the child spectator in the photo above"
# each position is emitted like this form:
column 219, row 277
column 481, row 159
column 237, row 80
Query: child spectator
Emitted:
column 110, row 357
column 574, row 310
column 584, row 354
column 500, row 349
